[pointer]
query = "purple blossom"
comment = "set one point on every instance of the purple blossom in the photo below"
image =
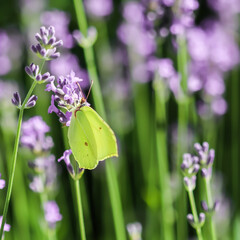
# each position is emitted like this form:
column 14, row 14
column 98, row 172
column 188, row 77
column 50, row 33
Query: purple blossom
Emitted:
column 76, row 174
column 2, row 183
column 7, row 227
column 99, row 8
column 52, row 214
column 135, row 230
column 67, row 94
column 47, row 45
column 45, row 167
column 34, row 135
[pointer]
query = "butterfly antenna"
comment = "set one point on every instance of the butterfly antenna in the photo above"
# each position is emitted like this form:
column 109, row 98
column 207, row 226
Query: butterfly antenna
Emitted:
column 89, row 89
column 80, row 89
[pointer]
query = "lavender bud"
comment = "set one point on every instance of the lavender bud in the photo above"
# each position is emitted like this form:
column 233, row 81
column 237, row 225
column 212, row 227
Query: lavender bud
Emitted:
column 190, row 218
column 211, row 157
column 202, row 218
column 205, row 146
column 45, row 40
column 45, row 76
column 51, row 31
column 42, row 31
column 195, row 159
column 216, row 206
column 29, row 71
column 38, row 77
column 38, row 37
column 38, row 47
column 31, row 102
column 43, row 52
column 204, row 206
column 198, row 147
column 16, row 100
column 206, row 172
column 57, row 44
column 55, row 55
column 34, row 49
column 190, row 183
column 51, row 40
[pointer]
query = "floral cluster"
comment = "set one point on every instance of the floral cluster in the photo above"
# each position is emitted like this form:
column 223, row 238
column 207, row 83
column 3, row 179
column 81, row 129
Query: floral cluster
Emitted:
column 67, row 95
column 44, row 165
column 46, row 48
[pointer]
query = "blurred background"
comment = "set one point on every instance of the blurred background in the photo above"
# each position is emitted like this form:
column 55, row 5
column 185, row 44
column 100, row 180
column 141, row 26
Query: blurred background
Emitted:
column 169, row 75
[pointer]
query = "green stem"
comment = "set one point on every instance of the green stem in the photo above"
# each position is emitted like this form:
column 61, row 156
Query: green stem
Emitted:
column 80, row 210
column 15, row 151
column 98, row 102
column 210, row 205
column 195, row 215
column 182, row 134
column 162, row 157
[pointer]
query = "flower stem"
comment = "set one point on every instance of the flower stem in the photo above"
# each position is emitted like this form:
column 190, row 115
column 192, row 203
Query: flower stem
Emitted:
column 14, row 159
column 210, row 205
column 98, row 102
column 163, row 168
column 195, row 215
column 182, row 133
column 80, row 210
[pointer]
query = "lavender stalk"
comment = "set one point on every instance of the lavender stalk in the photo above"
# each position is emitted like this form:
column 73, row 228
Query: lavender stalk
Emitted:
column 97, row 96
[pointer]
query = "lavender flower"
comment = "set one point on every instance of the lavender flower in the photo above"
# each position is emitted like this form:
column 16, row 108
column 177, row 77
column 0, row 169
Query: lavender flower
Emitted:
column 67, row 94
column 6, row 226
column 75, row 172
column 135, row 231
column 47, row 44
column 99, row 8
column 33, row 135
column 52, row 214
column 2, row 182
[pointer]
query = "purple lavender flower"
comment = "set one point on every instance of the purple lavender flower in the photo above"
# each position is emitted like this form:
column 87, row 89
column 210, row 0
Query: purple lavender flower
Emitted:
column 52, row 214
column 33, row 135
column 135, row 230
column 5, row 62
column 67, row 94
column 60, row 21
column 47, row 44
column 7, row 227
column 99, row 8
column 2, row 183
column 75, row 172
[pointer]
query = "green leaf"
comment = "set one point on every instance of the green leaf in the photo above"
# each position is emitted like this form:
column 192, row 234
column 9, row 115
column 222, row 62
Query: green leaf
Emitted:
column 90, row 138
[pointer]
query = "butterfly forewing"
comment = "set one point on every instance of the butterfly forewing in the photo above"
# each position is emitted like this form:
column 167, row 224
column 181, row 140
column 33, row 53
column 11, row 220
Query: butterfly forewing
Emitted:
column 104, row 136
column 82, row 141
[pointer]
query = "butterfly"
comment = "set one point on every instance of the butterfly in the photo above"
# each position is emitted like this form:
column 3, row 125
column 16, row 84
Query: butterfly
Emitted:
column 91, row 139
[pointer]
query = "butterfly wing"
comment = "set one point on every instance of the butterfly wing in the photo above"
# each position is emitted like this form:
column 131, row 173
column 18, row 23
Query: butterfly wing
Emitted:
column 90, row 138
column 82, row 141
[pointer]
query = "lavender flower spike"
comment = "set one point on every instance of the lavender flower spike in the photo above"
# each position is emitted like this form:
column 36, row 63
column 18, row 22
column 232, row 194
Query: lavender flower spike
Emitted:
column 16, row 100
column 47, row 45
